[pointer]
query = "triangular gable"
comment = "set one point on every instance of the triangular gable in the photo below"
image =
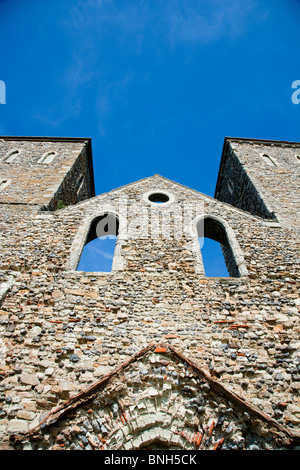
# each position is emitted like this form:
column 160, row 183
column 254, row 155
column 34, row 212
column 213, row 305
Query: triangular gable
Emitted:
column 157, row 399
column 158, row 182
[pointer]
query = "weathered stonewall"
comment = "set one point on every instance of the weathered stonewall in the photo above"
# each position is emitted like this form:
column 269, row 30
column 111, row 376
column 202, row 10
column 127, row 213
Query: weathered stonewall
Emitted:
column 228, row 365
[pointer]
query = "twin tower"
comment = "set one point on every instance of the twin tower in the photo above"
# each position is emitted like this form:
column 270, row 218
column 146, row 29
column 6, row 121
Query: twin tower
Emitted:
column 153, row 352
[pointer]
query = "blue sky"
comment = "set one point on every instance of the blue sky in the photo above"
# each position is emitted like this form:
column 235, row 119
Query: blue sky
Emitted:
column 156, row 84
column 98, row 255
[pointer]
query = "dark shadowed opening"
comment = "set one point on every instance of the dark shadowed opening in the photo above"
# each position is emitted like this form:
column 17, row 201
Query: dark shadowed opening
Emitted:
column 158, row 197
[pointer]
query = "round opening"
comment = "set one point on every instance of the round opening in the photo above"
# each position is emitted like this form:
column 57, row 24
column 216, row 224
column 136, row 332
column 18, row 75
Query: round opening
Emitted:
column 158, row 197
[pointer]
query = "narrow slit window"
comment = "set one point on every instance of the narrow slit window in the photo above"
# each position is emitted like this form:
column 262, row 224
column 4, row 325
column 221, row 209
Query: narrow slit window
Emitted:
column 47, row 157
column 217, row 255
column 79, row 185
column 10, row 156
column 230, row 186
column 98, row 252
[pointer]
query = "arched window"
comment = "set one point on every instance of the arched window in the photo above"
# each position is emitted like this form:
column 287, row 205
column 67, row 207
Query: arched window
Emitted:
column 10, row 156
column 47, row 157
column 221, row 255
column 100, row 244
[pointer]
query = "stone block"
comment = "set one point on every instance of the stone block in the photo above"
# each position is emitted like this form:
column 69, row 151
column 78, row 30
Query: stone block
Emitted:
column 16, row 426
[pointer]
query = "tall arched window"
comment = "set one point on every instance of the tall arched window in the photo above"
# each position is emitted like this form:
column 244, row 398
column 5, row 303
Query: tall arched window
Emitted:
column 100, row 243
column 221, row 255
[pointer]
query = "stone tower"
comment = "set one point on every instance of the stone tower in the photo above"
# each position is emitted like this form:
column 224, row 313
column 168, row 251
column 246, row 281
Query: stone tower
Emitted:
column 261, row 177
column 153, row 353
column 45, row 172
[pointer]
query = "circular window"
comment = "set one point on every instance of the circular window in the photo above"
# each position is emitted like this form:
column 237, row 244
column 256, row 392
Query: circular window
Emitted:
column 158, row 197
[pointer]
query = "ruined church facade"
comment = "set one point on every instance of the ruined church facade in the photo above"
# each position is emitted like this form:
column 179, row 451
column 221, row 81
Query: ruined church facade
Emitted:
column 154, row 353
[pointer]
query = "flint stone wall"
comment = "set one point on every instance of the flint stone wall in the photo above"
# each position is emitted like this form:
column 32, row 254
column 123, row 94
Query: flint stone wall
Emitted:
column 41, row 184
column 156, row 400
column 61, row 329
column 262, row 177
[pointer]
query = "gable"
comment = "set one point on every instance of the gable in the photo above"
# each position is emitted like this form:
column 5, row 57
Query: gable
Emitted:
column 157, row 399
column 137, row 191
